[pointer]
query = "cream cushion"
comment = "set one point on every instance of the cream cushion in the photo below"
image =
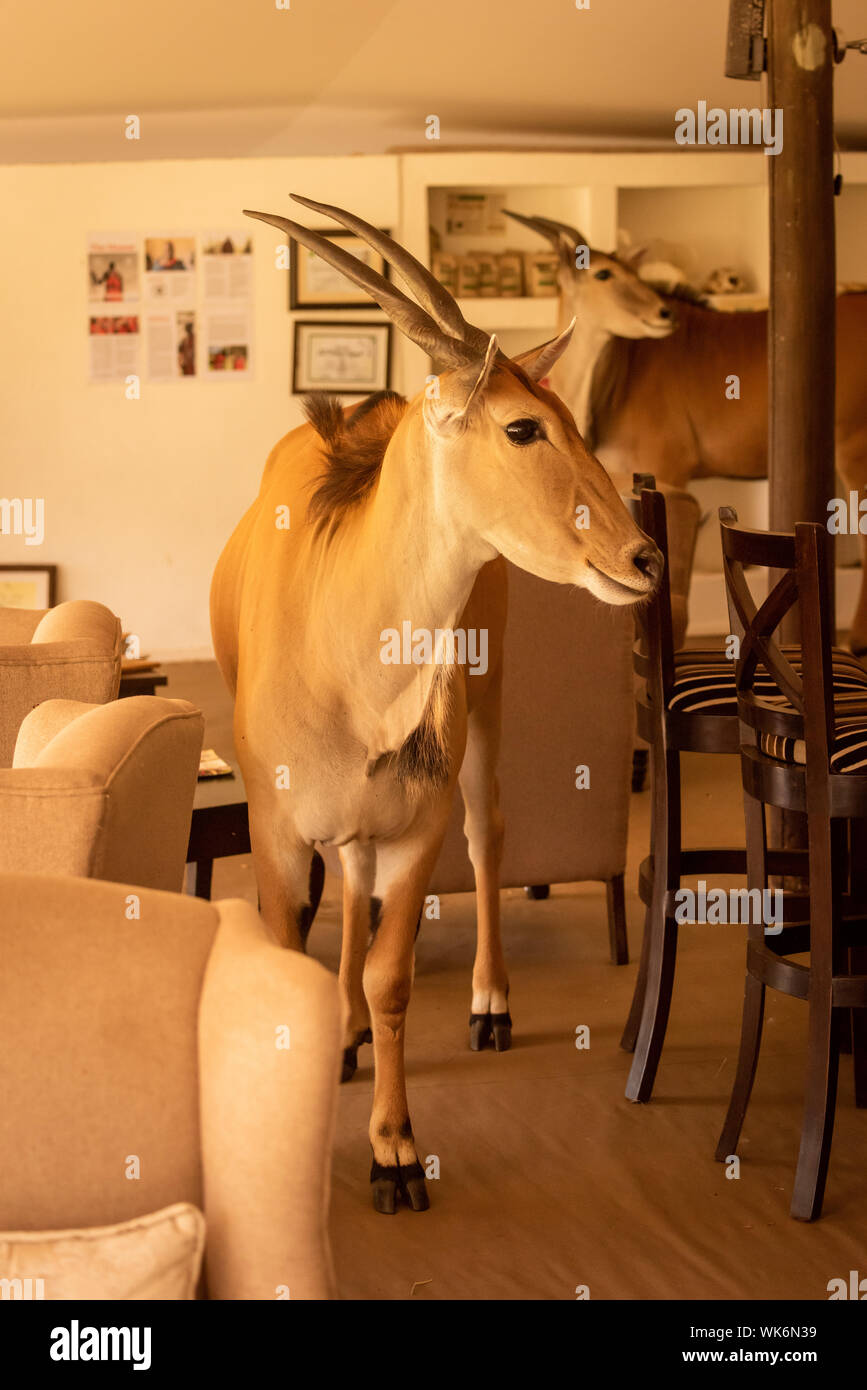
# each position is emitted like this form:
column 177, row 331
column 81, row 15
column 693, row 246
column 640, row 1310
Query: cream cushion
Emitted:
column 158, row 1256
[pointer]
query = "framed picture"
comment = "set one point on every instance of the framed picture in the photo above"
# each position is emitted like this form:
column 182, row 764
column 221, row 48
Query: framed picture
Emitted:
column 350, row 359
column 314, row 284
column 28, row 586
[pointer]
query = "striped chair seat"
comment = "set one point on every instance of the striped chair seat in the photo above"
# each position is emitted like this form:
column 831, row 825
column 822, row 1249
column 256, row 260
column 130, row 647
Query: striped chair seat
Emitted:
column 708, row 687
column 848, row 754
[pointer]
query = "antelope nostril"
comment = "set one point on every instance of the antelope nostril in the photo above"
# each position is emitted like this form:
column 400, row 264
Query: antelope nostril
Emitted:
column 648, row 562
column 665, row 313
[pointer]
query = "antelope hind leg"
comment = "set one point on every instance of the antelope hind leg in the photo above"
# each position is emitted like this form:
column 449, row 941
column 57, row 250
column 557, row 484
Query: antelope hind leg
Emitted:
column 490, row 1021
column 360, row 919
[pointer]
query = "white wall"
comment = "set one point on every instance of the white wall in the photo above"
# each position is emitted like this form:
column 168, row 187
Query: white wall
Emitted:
column 715, row 226
column 141, row 495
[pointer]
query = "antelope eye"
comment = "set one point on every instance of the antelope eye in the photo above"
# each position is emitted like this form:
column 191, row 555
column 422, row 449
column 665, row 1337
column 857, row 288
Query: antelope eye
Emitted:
column 524, row 431
column 602, row 275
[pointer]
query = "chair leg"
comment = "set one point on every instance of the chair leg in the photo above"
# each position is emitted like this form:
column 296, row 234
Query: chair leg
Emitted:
column 657, row 1003
column 819, row 1101
column 617, row 936
column 748, row 1057
column 633, row 1022
column 660, row 931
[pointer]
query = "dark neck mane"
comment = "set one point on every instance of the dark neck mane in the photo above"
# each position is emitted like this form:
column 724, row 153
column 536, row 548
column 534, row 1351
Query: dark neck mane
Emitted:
column 353, row 450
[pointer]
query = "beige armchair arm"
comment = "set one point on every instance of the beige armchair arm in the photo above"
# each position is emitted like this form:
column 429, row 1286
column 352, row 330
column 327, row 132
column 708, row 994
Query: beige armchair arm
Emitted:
column 80, row 620
column 49, row 820
column 267, row 1113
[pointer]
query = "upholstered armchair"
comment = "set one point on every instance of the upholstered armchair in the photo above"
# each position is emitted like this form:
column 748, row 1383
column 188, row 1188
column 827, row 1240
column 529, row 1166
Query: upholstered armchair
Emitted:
column 567, row 706
column 186, row 1039
column 103, row 791
column 71, row 652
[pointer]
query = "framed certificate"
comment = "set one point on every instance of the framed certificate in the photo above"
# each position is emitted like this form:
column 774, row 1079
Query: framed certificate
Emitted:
column 346, row 358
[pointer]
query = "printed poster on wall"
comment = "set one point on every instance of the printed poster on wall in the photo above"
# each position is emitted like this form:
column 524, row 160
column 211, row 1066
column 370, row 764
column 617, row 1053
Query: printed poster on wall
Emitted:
column 171, row 345
column 170, row 268
column 227, row 266
column 227, row 291
column 227, row 341
column 114, row 346
column 113, row 269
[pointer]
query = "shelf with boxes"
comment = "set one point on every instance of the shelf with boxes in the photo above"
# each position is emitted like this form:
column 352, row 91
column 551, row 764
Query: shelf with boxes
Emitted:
column 478, row 254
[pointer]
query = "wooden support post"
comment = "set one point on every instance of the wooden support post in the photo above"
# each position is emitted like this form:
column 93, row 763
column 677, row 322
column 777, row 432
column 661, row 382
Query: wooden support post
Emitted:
column 801, row 340
column 801, row 337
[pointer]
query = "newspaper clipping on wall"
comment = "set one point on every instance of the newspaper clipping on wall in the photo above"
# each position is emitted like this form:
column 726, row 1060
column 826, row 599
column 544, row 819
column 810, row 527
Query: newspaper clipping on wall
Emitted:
column 227, row 282
column 171, row 345
column 114, row 346
column 193, row 305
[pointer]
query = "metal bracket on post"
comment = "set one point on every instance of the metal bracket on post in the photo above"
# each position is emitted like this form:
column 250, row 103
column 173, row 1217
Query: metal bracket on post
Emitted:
column 746, row 49
column 842, row 45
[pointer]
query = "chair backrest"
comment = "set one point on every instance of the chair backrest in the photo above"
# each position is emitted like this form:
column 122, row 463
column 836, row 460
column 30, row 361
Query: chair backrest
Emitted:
column 71, row 652
column 100, row 1001
column 654, row 657
column 128, row 818
column 775, row 695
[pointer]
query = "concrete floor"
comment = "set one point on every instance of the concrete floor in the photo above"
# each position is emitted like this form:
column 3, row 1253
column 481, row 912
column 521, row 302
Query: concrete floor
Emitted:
column 550, row 1179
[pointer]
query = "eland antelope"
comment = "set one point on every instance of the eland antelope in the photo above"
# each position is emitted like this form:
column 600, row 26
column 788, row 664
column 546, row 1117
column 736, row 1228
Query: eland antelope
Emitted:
column 400, row 512
column 661, row 407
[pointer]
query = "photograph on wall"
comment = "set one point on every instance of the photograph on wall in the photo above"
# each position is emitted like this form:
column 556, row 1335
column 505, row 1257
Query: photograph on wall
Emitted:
column 314, row 284
column 227, row 337
column 170, row 267
column 227, row 265
column 27, row 586
column 112, row 270
column 114, row 346
column 348, row 358
column 171, row 345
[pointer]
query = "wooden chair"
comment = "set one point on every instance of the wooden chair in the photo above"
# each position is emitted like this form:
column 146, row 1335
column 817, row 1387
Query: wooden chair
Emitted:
column 669, row 730
column 805, row 751
column 689, row 705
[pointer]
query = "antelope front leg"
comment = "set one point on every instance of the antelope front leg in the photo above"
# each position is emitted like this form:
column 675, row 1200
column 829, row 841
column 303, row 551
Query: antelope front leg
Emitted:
column 289, row 889
column 402, row 877
column 388, row 975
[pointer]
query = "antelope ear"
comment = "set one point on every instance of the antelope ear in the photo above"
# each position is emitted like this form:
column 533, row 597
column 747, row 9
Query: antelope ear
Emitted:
column 451, row 416
column 633, row 256
column 540, row 360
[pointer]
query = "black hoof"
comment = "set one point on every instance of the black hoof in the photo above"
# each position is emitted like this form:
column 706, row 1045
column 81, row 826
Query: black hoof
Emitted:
column 502, row 1026
column 388, row 1182
column 350, row 1054
column 485, row 1028
column 480, row 1031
